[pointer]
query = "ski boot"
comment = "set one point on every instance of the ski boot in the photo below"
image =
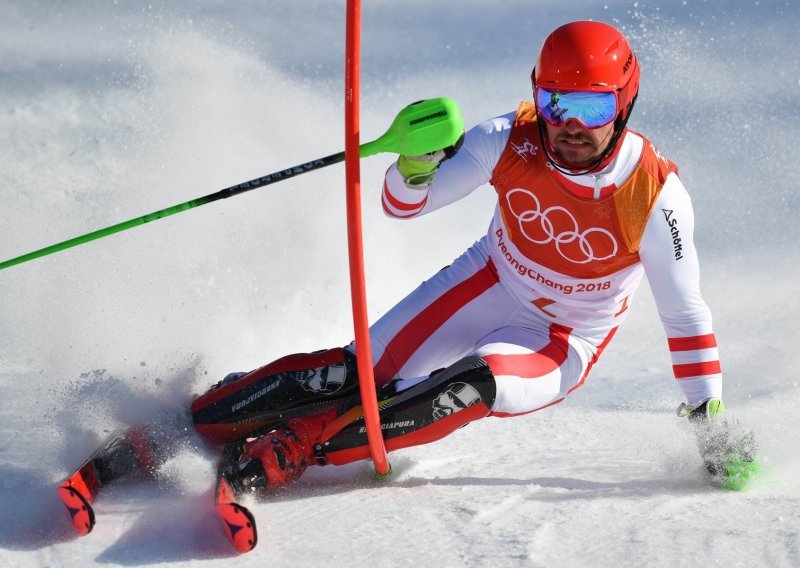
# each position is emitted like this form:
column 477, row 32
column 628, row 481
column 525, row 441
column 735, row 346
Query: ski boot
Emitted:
column 275, row 458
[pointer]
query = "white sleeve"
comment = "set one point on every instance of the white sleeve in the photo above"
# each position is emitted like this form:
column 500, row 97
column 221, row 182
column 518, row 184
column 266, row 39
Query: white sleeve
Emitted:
column 670, row 261
column 471, row 167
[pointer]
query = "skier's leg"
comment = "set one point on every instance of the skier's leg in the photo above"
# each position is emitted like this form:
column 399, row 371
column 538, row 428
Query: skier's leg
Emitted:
column 301, row 383
column 419, row 414
column 434, row 326
column 442, row 320
column 515, row 371
column 537, row 366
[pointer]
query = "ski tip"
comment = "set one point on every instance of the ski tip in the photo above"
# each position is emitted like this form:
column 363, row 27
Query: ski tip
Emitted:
column 79, row 509
column 240, row 526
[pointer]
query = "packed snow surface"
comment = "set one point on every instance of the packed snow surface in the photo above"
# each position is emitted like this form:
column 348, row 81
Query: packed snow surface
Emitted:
column 110, row 110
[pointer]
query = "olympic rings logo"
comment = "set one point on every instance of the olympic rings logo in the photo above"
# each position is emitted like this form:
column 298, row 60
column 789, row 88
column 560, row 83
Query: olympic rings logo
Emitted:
column 539, row 227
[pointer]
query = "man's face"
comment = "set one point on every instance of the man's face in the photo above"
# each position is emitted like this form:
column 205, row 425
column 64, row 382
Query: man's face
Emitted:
column 576, row 144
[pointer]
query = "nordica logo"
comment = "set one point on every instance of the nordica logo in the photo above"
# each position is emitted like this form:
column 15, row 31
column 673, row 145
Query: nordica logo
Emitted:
column 676, row 234
column 428, row 117
column 255, row 396
column 391, row 425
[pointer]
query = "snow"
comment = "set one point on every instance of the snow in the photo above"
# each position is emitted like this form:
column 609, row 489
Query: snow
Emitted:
column 113, row 110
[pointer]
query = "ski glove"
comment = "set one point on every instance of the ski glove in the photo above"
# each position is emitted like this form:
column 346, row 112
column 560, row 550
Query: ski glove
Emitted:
column 418, row 171
column 728, row 452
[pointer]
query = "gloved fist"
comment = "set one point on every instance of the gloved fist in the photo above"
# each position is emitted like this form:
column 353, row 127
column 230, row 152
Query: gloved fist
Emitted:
column 418, row 171
column 728, row 452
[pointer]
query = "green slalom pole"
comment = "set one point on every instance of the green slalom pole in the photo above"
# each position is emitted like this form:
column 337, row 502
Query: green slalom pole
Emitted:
column 422, row 127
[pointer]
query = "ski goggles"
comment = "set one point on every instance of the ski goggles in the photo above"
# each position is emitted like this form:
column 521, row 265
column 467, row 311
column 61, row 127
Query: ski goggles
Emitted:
column 591, row 109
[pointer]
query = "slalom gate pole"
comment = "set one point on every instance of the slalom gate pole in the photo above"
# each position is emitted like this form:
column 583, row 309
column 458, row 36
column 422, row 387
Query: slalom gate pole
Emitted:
column 369, row 398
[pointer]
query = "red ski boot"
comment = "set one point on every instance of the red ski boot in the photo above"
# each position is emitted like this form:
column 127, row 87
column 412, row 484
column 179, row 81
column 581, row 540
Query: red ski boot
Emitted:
column 280, row 456
column 283, row 453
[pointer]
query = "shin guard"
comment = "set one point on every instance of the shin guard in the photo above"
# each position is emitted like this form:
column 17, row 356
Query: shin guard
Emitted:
column 426, row 412
column 296, row 385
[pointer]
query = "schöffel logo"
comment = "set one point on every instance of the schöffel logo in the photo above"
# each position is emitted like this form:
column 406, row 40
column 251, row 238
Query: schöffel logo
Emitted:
column 428, row 117
column 676, row 234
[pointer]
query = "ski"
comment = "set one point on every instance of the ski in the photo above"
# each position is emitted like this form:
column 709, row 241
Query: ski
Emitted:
column 237, row 520
column 122, row 453
column 126, row 452
column 79, row 490
column 77, row 496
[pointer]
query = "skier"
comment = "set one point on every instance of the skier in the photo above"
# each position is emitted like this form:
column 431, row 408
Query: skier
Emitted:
column 554, row 112
column 586, row 207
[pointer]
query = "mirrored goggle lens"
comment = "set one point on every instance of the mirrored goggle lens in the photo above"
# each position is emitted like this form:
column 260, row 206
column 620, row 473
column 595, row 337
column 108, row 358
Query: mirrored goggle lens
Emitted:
column 590, row 109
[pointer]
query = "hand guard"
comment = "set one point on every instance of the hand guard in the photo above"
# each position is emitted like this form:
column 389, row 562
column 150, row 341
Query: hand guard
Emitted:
column 418, row 171
column 728, row 452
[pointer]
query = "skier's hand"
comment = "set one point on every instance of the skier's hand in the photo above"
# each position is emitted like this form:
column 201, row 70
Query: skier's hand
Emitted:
column 418, row 171
column 728, row 452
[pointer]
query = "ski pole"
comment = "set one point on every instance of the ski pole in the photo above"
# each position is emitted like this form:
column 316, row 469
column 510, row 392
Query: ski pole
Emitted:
column 421, row 127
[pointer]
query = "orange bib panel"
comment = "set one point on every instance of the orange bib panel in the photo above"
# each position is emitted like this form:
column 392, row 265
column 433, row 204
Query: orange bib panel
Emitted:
column 553, row 227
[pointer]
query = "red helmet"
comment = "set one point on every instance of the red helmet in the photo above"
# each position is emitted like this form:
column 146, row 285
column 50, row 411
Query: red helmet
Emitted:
column 590, row 56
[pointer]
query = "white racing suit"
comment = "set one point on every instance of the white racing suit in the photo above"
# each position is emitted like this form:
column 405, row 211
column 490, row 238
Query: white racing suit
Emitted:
column 542, row 293
column 516, row 322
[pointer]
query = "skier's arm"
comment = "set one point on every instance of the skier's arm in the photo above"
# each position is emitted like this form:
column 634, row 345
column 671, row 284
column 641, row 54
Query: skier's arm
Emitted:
column 451, row 179
column 670, row 260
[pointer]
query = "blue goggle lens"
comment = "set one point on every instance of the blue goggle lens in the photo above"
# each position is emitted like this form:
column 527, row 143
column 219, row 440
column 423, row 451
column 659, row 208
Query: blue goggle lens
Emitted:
column 591, row 109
